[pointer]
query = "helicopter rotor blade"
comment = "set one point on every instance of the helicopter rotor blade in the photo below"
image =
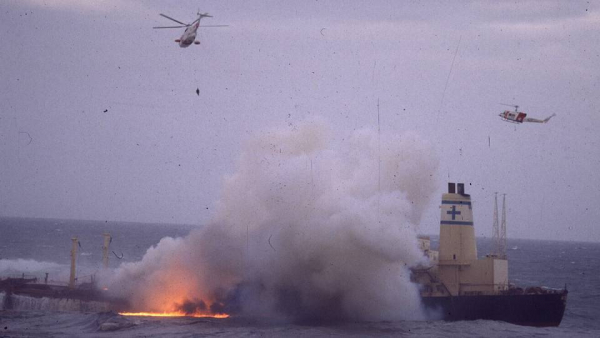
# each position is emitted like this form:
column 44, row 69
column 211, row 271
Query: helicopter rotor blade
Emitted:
column 170, row 27
column 170, row 18
column 516, row 106
column 215, row 26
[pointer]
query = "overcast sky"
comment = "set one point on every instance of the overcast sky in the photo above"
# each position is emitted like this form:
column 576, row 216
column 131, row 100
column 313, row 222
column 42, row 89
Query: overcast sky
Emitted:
column 99, row 117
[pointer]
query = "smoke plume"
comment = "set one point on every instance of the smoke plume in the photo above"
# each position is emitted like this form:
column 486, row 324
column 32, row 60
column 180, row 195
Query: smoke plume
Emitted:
column 309, row 227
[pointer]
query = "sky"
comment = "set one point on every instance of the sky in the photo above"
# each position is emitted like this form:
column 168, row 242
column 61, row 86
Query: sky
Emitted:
column 100, row 120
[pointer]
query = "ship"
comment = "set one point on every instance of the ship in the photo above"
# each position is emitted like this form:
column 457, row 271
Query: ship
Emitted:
column 83, row 296
column 457, row 285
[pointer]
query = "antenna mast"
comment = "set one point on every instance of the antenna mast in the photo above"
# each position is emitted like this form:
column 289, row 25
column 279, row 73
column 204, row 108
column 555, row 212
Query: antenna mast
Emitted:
column 378, row 161
column 495, row 229
column 503, row 229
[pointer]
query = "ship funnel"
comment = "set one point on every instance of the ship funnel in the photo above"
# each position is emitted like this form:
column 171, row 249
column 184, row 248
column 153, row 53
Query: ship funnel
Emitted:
column 457, row 235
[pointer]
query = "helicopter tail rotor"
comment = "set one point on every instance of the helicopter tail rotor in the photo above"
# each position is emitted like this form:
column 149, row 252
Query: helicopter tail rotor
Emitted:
column 203, row 15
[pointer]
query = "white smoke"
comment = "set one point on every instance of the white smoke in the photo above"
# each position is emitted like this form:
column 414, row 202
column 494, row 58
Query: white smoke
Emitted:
column 308, row 227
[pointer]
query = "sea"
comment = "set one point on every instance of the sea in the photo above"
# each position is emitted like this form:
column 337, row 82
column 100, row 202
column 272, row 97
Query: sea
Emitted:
column 32, row 247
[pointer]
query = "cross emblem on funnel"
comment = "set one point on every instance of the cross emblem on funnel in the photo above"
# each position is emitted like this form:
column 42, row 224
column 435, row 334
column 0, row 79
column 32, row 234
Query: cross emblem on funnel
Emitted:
column 453, row 212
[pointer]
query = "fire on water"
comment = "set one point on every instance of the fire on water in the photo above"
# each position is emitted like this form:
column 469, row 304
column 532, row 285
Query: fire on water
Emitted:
column 173, row 314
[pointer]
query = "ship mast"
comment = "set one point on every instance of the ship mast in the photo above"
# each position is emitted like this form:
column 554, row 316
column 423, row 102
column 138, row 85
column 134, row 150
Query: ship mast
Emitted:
column 503, row 229
column 73, row 262
column 107, row 240
column 499, row 230
column 495, row 229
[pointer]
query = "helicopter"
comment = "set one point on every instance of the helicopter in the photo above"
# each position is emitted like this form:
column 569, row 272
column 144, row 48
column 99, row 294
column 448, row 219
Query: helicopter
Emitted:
column 520, row 117
column 189, row 35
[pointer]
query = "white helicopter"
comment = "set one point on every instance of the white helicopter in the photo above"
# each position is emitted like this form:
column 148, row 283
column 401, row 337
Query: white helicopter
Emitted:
column 520, row 117
column 189, row 35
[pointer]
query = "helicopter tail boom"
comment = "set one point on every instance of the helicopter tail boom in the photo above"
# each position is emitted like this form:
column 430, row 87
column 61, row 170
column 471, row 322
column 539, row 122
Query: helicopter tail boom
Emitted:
column 529, row 119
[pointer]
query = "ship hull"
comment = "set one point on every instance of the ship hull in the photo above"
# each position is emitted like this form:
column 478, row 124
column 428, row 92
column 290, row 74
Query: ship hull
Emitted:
column 525, row 309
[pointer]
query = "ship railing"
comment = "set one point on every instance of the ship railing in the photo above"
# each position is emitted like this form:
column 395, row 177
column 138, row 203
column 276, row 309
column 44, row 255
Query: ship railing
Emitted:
column 21, row 276
column 482, row 288
column 531, row 290
column 547, row 288
column 57, row 283
column 486, row 284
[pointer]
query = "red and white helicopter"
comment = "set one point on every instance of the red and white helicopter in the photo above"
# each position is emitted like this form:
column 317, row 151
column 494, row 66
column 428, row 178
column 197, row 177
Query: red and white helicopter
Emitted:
column 520, row 117
column 189, row 35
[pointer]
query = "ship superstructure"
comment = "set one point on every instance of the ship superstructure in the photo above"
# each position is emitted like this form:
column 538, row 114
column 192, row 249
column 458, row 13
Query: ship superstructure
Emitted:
column 460, row 286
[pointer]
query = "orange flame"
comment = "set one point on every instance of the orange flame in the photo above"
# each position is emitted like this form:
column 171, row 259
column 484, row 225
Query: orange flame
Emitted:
column 173, row 314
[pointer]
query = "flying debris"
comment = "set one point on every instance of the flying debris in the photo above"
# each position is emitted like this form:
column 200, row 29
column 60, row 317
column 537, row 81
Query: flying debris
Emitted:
column 114, row 253
column 189, row 35
column 519, row 116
